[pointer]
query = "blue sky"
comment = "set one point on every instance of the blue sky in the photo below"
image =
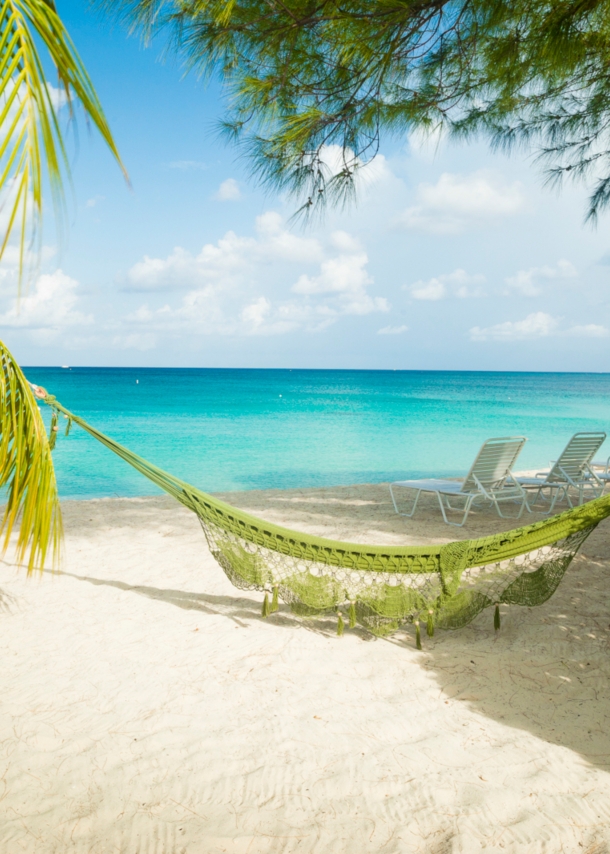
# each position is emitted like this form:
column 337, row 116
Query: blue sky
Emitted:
column 454, row 258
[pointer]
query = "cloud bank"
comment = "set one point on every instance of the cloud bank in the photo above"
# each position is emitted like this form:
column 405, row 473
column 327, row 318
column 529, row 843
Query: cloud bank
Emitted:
column 538, row 324
column 228, row 289
column 458, row 202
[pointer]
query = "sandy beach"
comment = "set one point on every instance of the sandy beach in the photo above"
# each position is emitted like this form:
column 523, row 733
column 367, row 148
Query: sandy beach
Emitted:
column 147, row 706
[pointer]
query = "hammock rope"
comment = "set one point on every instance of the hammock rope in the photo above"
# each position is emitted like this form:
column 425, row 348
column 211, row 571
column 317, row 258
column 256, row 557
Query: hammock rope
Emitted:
column 378, row 587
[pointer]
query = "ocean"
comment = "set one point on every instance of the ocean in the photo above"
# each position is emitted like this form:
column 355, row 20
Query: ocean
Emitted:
column 228, row 429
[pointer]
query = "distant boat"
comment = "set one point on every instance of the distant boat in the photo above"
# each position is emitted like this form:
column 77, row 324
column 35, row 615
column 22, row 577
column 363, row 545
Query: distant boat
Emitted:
column 66, row 367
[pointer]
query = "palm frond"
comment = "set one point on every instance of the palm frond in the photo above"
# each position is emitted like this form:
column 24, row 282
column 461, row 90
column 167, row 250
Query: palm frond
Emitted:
column 26, row 471
column 30, row 134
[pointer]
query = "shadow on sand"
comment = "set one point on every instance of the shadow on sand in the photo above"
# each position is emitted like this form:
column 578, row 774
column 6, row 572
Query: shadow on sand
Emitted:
column 546, row 672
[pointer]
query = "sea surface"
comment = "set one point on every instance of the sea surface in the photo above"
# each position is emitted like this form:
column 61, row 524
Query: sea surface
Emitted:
column 226, row 429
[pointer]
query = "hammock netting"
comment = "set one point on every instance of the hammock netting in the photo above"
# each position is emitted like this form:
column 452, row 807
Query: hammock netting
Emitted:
column 381, row 588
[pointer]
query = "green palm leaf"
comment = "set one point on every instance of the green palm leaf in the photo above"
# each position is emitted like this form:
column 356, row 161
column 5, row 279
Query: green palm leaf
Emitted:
column 30, row 134
column 31, row 141
column 26, row 470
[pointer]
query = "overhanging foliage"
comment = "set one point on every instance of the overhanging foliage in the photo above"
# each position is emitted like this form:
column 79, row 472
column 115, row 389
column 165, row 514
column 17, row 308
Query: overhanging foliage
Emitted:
column 303, row 75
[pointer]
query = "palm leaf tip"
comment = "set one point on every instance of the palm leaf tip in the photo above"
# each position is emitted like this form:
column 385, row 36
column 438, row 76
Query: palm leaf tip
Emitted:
column 26, row 472
column 30, row 134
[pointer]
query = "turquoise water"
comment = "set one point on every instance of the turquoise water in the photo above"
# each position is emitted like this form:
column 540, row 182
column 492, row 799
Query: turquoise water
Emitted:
column 256, row 429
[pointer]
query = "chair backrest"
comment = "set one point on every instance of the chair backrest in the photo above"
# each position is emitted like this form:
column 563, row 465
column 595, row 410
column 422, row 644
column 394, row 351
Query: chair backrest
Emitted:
column 576, row 456
column 494, row 462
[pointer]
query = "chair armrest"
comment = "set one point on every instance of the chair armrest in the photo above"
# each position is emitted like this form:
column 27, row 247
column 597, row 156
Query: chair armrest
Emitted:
column 594, row 476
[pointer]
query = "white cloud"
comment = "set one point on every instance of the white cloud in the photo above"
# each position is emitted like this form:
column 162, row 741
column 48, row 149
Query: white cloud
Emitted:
column 277, row 243
column 8, row 197
column 181, row 269
column 229, row 260
column 135, row 341
column 458, row 201
column 591, row 330
column 392, row 330
column 49, row 309
column 535, row 325
column 91, row 203
column 344, row 277
column 529, row 282
column 256, row 312
column 9, row 268
column 433, row 290
column 186, row 165
column 343, row 274
column 459, row 284
column 261, row 318
column 57, row 95
column 228, row 191
column 231, row 284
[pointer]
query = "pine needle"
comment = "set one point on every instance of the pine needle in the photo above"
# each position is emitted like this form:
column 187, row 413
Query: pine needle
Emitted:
column 26, row 470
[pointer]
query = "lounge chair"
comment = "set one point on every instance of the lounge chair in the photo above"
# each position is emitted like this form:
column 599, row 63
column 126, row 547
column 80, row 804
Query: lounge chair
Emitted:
column 602, row 470
column 489, row 479
column 572, row 471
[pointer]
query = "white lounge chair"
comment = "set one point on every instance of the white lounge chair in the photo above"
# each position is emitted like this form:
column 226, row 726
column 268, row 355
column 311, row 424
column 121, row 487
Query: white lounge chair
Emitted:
column 489, row 479
column 602, row 470
column 572, row 471
column 604, row 465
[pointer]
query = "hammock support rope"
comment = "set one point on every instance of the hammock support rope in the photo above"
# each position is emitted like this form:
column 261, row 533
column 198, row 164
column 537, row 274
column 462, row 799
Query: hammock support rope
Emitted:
column 380, row 587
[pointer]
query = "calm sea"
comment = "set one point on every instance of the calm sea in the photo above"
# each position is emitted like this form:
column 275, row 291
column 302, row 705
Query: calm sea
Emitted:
column 257, row 429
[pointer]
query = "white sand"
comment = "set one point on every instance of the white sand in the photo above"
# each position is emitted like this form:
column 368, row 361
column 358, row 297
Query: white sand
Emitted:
column 146, row 707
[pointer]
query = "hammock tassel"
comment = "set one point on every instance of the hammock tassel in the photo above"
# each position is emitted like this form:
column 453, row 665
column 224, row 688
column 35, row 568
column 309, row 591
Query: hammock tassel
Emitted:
column 497, row 618
column 352, row 614
column 274, row 600
column 266, row 610
column 340, row 624
column 417, row 635
column 430, row 624
column 68, row 425
column 53, row 431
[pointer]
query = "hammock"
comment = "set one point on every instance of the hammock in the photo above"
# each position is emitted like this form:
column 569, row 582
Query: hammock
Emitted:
column 378, row 587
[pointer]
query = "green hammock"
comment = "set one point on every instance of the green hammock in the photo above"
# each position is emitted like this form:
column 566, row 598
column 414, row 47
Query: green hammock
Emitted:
column 379, row 587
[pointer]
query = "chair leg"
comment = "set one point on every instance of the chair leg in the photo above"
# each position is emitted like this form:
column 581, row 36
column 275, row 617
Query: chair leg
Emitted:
column 519, row 514
column 466, row 511
column 408, row 515
column 535, row 499
column 558, row 494
column 506, row 516
column 498, row 511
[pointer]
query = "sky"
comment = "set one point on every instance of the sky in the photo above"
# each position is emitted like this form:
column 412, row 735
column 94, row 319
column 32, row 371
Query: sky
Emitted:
column 454, row 258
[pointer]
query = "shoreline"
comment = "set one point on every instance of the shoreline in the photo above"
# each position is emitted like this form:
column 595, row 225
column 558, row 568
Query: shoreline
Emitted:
column 147, row 705
column 318, row 510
